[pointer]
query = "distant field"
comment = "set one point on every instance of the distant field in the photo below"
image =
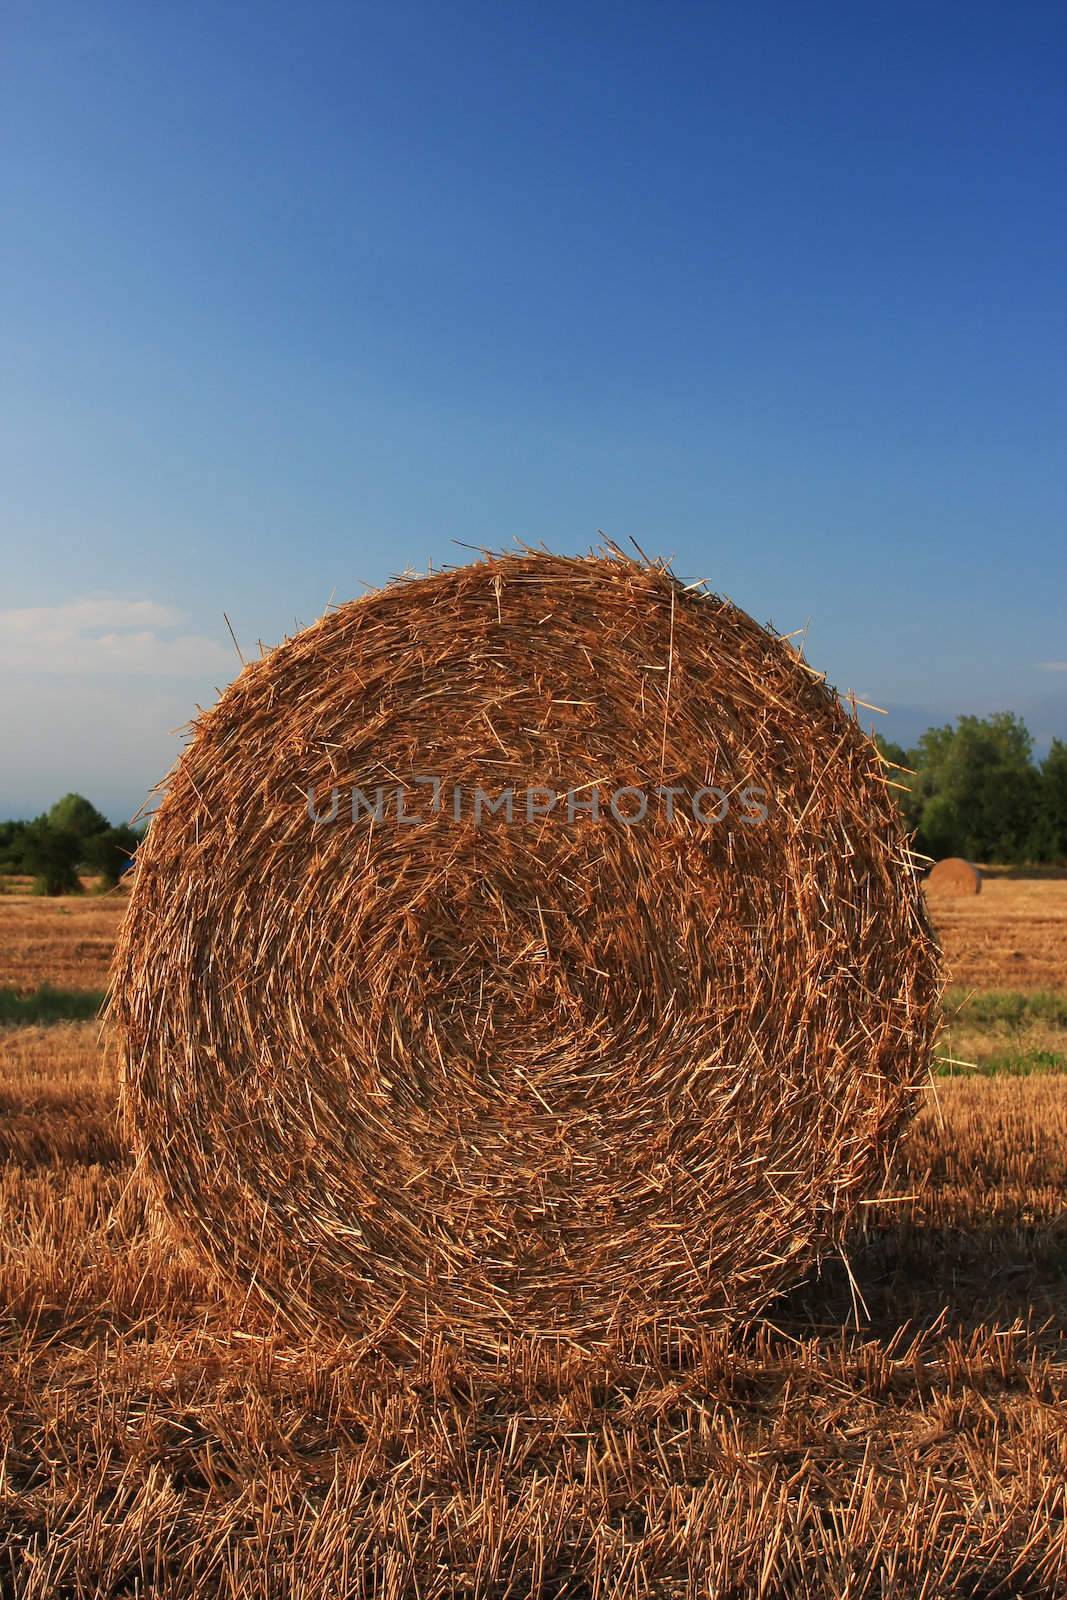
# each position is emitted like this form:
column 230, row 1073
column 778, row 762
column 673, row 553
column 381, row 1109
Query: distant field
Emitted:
column 66, row 942
column 1011, row 936
column 160, row 1438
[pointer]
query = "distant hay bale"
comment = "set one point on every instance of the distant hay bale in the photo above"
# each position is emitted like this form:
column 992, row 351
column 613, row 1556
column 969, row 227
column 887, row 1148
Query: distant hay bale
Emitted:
column 554, row 1074
column 954, row 876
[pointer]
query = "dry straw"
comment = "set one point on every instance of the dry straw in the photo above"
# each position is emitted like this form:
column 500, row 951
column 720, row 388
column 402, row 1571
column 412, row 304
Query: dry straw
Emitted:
column 573, row 1079
column 953, row 875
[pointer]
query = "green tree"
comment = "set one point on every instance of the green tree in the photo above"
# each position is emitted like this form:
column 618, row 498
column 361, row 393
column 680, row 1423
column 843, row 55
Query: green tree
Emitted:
column 939, row 828
column 900, row 771
column 983, row 778
column 109, row 853
column 13, row 847
column 1050, row 823
column 894, row 754
column 74, row 814
column 52, row 855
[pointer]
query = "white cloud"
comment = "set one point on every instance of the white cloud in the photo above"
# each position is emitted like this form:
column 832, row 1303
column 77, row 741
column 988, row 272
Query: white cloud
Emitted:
column 1053, row 666
column 104, row 635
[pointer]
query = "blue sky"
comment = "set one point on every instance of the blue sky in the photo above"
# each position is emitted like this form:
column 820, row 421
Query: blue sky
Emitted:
column 296, row 297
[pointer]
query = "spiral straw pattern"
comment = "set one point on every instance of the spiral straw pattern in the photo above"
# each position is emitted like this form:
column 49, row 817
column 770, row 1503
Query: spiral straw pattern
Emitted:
column 552, row 1074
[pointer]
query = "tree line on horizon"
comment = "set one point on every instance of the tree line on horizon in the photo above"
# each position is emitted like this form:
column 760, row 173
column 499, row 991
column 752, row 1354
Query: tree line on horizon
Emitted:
column 71, row 838
column 970, row 788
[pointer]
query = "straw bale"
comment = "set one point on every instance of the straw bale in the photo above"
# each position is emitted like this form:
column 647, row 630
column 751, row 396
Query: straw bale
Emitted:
column 557, row 1076
column 953, row 875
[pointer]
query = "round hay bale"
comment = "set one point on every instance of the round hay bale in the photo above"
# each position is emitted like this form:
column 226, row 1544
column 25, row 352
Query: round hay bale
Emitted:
column 554, row 1073
column 953, row 875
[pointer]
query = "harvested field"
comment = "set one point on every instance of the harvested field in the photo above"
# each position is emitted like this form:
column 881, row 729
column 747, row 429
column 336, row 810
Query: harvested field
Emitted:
column 65, row 942
column 1013, row 1032
column 161, row 1439
column 156, row 1433
column 1011, row 936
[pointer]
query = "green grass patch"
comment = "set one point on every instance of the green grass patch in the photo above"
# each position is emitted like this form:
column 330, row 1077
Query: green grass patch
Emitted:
column 1005, row 1009
column 1005, row 1064
column 49, row 1005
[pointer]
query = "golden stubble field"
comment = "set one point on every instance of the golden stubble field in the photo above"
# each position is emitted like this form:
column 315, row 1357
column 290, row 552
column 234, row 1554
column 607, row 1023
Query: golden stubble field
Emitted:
column 1011, row 936
column 160, row 1438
